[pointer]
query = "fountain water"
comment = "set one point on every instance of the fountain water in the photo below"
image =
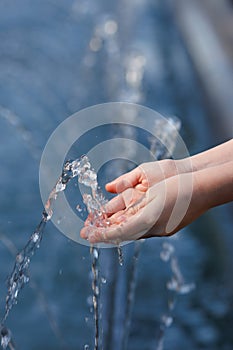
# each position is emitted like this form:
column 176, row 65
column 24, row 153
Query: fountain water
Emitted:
column 176, row 284
column 134, row 53
column 95, row 202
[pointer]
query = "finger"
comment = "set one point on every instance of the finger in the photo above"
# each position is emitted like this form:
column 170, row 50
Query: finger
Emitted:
column 125, row 225
column 126, row 213
column 125, row 181
column 117, row 204
column 90, row 219
column 127, row 198
column 129, row 230
column 114, row 205
column 85, row 232
column 133, row 203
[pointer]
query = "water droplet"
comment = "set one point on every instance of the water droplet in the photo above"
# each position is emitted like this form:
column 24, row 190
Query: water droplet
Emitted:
column 19, row 258
column 5, row 337
column 95, row 253
column 186, row 288
column 49, row 215
column 167, row 320
column 172, row 285
column 60, row 187
column 95, row 44
column 86, row 347
column 120, row 256
column 110, row 27
column 88, row 178
column 171, row 304
column 89, row 300
column 103, row 280
column 35, row 237
column 79, row 209
column 167, row 252
column 25, row 279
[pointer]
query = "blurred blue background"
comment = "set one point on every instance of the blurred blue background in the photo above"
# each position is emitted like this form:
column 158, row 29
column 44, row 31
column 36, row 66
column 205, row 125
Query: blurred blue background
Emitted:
column 57, row 57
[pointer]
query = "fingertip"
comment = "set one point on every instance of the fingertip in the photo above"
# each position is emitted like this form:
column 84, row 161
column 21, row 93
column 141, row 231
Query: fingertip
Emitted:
column 84, row 233
column 96, row 236
column 108, row 186
column 111, row 187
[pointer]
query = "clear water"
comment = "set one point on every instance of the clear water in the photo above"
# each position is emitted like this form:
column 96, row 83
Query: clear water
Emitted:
column 177, row 285
column 80, row 168
column 48, row 71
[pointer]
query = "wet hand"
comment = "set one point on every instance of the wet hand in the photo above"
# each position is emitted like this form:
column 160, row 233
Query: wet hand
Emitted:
column 142, row 214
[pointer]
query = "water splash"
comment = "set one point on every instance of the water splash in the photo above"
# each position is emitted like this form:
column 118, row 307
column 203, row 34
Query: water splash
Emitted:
column 166, row 132
column 95, row 202
column 20, row 274
column 6, row 333
column 120, row 255
column 6, row 339
column 131, row 294
column 176, row 285
column 95, row 290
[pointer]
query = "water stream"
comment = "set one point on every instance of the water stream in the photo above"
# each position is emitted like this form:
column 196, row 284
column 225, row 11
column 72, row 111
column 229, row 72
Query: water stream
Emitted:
column 58, row 57
column 176, row 285
column 131, row 294
column 94, row 202
column 95, row 290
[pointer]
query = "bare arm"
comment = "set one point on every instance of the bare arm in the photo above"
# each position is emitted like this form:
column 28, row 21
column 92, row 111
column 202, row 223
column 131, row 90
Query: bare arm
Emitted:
column 216, row 184
column 148, row 195
column 220, row 154
column 148, row 174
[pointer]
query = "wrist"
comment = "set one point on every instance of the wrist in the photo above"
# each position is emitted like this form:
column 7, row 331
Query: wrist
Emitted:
column 213, row 157
column 173, row 167
column 214, row 185
column 201, row 161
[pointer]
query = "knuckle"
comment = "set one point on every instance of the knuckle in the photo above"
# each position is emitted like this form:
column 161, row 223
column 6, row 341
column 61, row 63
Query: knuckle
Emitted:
column 132, row 210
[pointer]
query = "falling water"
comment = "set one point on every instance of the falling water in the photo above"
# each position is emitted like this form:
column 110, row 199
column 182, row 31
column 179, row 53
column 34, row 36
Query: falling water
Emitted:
column 95, row 205
column 161, row 148
column 95, row 290
column 176, row 285
column 95, row 202
column 131, row 294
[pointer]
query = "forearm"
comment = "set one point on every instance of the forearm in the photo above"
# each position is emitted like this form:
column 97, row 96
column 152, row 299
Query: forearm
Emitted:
column 215, row 156
column 211, row 158
column 215, row 184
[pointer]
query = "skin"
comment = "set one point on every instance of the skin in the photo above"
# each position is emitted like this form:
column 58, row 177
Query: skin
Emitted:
column 148, row 195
